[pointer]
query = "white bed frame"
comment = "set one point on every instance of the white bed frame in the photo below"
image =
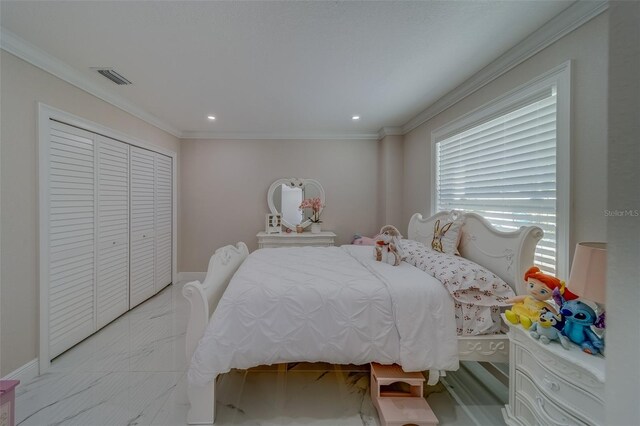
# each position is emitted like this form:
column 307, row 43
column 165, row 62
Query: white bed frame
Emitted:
column 507, row 254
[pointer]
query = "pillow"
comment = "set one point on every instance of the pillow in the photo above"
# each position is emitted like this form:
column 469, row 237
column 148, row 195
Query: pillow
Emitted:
column 466, row 281
column 446, row 233
column 477, row 292
column 359, row 240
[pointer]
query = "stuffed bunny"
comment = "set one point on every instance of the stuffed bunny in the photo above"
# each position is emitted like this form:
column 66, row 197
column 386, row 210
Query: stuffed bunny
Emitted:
column 386, row 249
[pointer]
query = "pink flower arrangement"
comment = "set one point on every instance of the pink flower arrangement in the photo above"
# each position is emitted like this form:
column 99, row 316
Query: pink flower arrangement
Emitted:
column 315, row 204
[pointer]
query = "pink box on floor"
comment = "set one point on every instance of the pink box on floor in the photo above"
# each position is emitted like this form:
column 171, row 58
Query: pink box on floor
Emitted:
column 398, row 397
column 8, row 402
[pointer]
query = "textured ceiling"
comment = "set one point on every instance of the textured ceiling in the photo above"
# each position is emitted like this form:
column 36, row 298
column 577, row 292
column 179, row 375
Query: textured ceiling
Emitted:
column 281, row 68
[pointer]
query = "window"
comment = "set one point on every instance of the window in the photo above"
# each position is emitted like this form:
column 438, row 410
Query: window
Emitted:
column 506, row 161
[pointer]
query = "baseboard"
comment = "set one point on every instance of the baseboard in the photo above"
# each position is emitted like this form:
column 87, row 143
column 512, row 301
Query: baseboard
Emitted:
column 26, row 373
column 191, row 276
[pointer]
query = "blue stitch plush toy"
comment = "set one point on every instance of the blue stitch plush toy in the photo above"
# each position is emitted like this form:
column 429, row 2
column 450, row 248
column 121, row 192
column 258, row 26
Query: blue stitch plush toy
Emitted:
column 579, row 318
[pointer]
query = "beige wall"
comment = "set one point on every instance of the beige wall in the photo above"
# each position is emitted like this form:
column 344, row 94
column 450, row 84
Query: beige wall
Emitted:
column 587, row 46
column 23, row 86
column 224, row 184
column 390, row 165
column 623, row 232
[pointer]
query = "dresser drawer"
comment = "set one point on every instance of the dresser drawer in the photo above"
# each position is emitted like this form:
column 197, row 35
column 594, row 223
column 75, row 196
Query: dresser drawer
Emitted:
column 524, row 412
column 580, row 401
column 293, row 239
column 554, row 358
column 532, row 403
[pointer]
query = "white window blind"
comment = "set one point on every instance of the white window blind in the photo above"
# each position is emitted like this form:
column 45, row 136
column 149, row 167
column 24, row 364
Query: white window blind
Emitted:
column 505, row 170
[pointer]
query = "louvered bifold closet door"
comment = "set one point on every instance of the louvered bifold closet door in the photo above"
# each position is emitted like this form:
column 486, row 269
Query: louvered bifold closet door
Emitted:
column 113, row 230
column 142, row 277
column 71, row 236
column 164, row 207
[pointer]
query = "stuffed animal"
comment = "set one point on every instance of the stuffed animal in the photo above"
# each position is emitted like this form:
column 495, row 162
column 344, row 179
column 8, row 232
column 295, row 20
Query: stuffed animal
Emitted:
column 579, row 317
column 548, row 328
column 526, row 309
column 386, row 249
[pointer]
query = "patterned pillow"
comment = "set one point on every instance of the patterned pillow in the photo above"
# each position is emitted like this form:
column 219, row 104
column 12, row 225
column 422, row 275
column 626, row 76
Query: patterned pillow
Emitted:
column 459, row 275
column 478, row 293
column 446, row 235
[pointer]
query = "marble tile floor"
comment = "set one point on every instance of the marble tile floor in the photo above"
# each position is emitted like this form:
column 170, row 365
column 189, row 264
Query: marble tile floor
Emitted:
column 133, row 372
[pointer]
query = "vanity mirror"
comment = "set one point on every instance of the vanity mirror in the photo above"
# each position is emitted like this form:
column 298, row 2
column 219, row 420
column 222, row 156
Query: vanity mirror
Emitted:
column 285, row 196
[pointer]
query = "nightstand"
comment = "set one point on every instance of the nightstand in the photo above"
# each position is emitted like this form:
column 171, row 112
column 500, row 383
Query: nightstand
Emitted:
column 550, row 385
column 293, row 239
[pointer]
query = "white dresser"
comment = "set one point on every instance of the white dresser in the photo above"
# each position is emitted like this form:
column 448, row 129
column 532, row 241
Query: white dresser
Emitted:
column 549, row 385
column 293, row 239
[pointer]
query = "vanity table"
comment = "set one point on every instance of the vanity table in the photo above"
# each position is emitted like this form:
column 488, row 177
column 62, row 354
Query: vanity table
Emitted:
column 285, row 196
column 293, row 239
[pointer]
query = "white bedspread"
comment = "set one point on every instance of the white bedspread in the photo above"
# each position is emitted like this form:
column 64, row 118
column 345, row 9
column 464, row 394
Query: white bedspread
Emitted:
column 331, row 304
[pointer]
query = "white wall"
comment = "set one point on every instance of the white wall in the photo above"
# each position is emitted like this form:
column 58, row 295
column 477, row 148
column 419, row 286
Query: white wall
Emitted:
column 622, row 385
column 587, row 47
column 224, row 184
column 23, row 86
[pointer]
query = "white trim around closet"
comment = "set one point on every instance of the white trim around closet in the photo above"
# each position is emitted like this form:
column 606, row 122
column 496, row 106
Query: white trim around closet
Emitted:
column 45, row 114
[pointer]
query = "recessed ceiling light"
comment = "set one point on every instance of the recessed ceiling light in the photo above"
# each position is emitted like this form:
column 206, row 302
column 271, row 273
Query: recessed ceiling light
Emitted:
column 355, row 117
column 211, row 117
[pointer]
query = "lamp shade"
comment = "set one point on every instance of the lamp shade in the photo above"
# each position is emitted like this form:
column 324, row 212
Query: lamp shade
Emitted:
column 588, row 276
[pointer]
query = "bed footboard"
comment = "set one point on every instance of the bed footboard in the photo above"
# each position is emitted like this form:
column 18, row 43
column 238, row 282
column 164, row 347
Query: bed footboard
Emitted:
column 203, row 299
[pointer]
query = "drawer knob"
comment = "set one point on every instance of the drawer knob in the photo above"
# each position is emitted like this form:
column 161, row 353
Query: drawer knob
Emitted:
column 114, row 242
column 551, row 385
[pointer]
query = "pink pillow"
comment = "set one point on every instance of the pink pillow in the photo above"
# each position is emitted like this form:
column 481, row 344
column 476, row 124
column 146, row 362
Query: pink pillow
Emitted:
column 364, row 241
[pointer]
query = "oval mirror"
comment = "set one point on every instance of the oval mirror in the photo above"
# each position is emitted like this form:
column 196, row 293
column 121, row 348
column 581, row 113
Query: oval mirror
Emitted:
column 286, row 195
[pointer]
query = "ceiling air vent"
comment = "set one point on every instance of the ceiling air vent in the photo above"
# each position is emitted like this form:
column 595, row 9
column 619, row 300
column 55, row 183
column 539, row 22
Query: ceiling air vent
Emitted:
column 112, row 75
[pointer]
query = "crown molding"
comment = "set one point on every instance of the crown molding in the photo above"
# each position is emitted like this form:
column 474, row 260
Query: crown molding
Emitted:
column 280, row 136
column 39, row 58
column 562, row 24
column 389, row 131
column 568, row 20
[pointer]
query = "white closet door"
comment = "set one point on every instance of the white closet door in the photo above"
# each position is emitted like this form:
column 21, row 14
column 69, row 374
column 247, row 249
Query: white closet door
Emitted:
column 142, row 277
column 71, row 242
column 164, row 208
column 113, row 230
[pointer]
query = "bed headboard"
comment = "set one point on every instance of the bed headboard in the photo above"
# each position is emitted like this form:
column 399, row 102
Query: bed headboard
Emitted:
column 506, row 254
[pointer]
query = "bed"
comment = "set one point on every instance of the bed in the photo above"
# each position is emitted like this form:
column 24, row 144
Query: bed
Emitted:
column 505, row 254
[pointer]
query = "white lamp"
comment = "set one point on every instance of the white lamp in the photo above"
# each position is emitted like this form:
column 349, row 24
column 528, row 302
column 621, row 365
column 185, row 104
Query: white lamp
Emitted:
column 588, row 278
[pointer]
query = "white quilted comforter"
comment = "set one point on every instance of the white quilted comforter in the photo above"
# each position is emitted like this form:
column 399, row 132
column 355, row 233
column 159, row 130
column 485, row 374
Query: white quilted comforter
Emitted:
column 333, row 304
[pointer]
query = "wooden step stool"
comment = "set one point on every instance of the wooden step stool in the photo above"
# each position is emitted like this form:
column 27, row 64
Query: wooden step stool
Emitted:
column 8, row 402
column 400, row 406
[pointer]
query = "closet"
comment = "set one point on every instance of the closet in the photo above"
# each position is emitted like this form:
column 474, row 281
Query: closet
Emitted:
column 112, row 213
column 142, row 225
column 107, row 234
